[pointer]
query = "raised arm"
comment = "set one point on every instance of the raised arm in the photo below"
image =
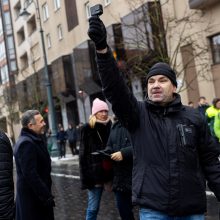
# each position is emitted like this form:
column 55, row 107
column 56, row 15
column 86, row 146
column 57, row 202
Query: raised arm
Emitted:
column 124, row 104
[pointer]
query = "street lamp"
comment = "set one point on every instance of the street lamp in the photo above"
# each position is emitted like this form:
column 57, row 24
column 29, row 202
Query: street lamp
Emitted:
column 52, row 119
column 82, row 96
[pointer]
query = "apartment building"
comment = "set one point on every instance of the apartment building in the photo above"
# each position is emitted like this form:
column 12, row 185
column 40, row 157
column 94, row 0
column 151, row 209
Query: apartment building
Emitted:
column 70, row 55
column 137, row 30
column 8, row 68
column 193, row 42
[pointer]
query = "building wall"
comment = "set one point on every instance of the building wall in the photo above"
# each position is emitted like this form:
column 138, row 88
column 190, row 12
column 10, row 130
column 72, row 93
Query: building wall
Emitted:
column 193, row 27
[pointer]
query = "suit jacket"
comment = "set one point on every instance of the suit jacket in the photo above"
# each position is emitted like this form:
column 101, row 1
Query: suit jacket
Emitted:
column 33, row 166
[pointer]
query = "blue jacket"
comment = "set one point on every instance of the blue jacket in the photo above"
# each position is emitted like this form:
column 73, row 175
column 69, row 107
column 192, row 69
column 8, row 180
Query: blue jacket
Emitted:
column 172, row 148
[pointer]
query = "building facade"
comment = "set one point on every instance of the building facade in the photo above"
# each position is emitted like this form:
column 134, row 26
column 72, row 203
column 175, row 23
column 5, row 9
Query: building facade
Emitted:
column 8, row 70
column 140, row 33
column 193, row 42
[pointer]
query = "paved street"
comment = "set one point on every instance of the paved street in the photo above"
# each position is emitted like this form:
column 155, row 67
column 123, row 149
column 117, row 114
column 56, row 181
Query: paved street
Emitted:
column 71, row 200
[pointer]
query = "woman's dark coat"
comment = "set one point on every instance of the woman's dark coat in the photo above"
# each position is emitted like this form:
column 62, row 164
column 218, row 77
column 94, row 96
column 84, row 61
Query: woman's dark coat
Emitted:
column 6, row 178
column 119, row 140
column 172, row 148
column 94, row 139
column 33, row 165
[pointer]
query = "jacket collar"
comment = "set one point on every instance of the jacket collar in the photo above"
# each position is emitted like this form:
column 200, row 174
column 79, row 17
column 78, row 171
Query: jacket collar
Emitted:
column 174, row 106
column 31, row 134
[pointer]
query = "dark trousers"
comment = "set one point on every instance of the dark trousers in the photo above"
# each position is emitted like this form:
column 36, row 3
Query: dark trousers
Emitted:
column 62, row 148
column 72, row 145
column 124, row 205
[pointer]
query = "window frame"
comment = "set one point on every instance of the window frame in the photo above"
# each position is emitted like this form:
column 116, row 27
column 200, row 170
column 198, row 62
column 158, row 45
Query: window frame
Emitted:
column 48, row 37
column 107, row 2
column 215, row 52
column 57, row 4
column 60, row 32
column 45, row 12
column 87, row 9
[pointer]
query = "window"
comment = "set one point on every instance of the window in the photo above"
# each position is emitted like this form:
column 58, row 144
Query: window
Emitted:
column 87, row 7
column 60, row 32
column 31, row 25
column 24, row 61
column 4, row 74
column 215, row 46
column 107, row 2
column 56, row 4
column 13, row 65
column 2, row 50
column 11, row 47
column 8, row 22
column 48, row 41
column 5, row 2
column 20, row 35
column 17, row 9
column 45, row 12
column 1, row 28
column 35, row 53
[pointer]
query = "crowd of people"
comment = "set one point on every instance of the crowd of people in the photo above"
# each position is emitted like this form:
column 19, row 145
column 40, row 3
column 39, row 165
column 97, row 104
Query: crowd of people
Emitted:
column 68, row 137
column 157, row 154
column 211, row 114
column 174, row 153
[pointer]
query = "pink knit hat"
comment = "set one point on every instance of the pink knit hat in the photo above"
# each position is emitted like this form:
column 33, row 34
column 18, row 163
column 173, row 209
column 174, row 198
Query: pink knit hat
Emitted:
column 98, row 105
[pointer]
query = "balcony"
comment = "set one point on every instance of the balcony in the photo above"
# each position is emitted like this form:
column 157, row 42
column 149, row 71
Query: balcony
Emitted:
column 202, row 4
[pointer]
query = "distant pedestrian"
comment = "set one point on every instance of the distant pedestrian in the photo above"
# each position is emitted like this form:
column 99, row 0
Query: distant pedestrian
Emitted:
column 217, row 126
column 61, row 140
column 6, row 179
column 49, row 140
column 191, row 104
column 71, row 134
column 94, row 173
column 34, row 200
column 211, row 112
column 202, row 105
column 120, row 147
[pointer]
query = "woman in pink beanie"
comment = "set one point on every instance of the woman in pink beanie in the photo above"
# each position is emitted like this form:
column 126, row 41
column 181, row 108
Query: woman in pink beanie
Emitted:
column 94, row 173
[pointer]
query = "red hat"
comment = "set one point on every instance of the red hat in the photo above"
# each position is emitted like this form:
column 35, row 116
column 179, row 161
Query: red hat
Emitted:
column 99, row 105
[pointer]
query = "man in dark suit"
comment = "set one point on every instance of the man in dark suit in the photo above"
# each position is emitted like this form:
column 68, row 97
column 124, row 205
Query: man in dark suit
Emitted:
column 33, row 165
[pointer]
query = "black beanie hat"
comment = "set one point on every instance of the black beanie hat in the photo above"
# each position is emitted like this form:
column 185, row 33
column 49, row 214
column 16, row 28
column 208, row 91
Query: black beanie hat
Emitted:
column 163, row 69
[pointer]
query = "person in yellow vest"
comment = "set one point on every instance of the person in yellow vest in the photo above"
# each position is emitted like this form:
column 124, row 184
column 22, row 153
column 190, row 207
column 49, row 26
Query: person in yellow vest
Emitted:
column 217, row 126
column 211, row 112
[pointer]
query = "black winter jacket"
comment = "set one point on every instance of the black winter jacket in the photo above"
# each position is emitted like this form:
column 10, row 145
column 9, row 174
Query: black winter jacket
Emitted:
column 173, row 149
column 119, row 140
column 6, row 178
column 94, row 139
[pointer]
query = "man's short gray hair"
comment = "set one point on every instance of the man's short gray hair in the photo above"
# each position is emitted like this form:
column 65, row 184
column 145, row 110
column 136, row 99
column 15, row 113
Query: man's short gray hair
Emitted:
column 28, row 117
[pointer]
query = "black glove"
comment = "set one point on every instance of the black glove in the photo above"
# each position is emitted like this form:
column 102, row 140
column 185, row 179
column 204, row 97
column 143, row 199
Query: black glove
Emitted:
column 97, row 32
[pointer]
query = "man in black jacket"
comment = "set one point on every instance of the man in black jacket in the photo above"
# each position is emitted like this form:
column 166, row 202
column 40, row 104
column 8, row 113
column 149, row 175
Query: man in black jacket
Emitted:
column 173, row 149
column 6, row 179
column 34, row 200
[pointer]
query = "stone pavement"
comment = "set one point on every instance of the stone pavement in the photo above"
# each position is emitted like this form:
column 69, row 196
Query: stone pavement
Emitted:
column 70, row 200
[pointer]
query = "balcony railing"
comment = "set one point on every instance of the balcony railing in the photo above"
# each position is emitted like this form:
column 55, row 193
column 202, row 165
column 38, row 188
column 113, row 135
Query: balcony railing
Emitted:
column 202, row 4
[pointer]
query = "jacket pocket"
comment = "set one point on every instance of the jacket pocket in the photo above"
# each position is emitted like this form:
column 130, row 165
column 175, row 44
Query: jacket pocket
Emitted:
column 187, row 136
column 188, row 146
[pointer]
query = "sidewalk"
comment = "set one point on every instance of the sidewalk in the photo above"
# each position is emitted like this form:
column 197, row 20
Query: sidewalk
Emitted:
column 69, row 158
